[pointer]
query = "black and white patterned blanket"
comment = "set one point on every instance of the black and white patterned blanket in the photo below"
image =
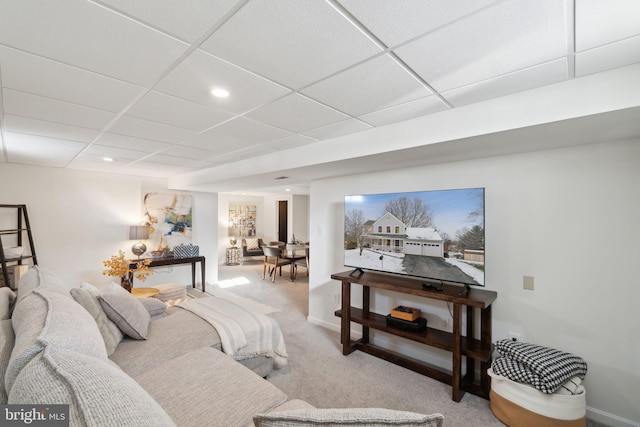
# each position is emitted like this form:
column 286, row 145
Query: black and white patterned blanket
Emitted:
column 544, row 368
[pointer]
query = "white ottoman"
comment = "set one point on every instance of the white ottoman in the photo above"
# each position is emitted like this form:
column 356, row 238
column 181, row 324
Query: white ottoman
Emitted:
column 170, row 291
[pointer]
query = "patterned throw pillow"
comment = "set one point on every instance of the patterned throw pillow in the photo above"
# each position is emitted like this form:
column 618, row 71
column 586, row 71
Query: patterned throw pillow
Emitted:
column 544, row 368
column 252, row 244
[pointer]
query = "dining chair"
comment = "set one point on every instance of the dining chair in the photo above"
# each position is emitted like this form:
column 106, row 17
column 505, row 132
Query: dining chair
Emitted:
column 302, row 262
column 273, row 261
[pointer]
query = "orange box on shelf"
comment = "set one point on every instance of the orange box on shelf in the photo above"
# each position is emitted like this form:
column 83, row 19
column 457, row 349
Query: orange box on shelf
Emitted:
column 405, row 313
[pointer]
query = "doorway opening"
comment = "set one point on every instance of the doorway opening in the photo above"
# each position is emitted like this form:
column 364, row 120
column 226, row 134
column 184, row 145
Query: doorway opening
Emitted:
column 283, row 223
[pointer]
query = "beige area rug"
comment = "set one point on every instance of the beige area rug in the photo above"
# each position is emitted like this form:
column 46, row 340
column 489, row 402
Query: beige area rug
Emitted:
column 318, row 372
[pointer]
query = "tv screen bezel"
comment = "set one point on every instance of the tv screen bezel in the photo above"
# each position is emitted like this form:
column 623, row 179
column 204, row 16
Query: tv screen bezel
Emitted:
column 425, row 277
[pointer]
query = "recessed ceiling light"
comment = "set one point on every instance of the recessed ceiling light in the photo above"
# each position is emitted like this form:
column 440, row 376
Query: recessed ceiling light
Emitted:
column 288, row 189
column 107, row 159
column 219, row 92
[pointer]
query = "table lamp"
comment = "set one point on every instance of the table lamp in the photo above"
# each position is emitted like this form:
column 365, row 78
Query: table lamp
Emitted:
column 138, row 232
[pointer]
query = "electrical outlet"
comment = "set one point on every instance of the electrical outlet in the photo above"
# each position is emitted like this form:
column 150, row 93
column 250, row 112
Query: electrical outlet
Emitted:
column 527, row 282
column 336, row 299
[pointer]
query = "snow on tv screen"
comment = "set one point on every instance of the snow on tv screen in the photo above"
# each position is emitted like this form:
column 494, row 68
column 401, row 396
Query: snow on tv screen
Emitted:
column 436, row 235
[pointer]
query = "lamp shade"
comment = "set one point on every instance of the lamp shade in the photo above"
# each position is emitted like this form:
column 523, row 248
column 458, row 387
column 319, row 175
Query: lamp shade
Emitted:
column 138, row 232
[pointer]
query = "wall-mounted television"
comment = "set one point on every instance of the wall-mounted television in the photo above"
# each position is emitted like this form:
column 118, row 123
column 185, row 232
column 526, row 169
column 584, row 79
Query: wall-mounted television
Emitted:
column 436, row 235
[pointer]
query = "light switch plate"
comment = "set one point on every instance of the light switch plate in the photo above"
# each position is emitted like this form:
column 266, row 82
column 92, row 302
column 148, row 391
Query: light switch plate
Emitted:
column 527, row 282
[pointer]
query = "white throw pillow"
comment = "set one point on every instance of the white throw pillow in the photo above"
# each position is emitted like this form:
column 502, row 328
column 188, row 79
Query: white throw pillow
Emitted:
column 126, row 312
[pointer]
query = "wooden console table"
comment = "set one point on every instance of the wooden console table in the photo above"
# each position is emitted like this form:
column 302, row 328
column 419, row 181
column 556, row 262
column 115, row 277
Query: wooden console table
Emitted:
column 474, row 349
column 160, row 262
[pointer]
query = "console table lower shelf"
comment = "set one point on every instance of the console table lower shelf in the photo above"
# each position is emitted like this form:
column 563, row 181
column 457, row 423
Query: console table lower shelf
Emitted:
column 472, row 349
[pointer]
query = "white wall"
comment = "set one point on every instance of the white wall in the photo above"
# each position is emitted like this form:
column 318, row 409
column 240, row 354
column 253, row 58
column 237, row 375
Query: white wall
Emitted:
column 81, row 218
column 567, row 217
column 299, row 222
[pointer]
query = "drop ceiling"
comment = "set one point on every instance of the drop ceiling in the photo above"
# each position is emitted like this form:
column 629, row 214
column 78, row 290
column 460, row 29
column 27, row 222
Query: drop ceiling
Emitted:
column 131, row 81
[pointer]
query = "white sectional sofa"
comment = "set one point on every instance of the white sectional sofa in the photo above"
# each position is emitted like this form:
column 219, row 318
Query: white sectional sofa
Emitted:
column 60, row 347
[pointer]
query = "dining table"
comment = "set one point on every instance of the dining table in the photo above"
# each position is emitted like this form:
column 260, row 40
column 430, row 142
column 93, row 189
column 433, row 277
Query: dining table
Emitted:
column 294, row 252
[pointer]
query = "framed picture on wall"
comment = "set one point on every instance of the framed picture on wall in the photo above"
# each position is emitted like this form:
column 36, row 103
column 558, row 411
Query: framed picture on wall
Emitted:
column 242, row 220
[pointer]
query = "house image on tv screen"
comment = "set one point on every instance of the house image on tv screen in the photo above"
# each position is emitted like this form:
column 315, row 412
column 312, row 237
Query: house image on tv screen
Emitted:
column 389, row 234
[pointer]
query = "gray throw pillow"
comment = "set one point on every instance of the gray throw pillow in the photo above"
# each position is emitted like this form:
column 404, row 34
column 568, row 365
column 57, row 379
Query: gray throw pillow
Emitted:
column 154, row 306
column 347, row 417
column 110, row 332
column 126, row 312
column 7, row 298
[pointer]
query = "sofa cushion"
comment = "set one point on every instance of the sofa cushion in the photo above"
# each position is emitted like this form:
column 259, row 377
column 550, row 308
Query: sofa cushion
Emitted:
column 169, row 336
column 347, row 417
column 36, row 277
column 7, row 339
column 126, row 312
column 7, row 298
column 153, row 306
column 111, row 334
column 211, row 378
column 98, row 393
column 43, row 318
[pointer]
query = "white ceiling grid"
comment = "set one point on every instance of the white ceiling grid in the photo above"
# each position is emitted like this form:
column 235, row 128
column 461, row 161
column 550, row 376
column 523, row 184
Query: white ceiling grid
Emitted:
column 132, row 80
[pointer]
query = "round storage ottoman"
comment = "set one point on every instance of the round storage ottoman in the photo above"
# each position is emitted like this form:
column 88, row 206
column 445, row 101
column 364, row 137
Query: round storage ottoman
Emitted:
column 170, row 291
column 518, row 404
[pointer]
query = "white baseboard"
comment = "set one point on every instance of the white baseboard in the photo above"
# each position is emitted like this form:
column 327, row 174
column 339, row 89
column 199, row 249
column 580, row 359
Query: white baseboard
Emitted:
column 611, row 420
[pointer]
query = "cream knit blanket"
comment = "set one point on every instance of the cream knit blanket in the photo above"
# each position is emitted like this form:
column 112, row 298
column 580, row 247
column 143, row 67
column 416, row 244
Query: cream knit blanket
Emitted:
column 243, row 333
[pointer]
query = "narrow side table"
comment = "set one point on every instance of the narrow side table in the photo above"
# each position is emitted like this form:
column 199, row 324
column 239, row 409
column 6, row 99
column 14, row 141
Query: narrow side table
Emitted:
column 144, row 292
column 233, row 256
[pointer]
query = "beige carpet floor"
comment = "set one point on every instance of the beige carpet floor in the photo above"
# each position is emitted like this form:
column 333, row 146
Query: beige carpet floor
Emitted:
column 318, row 372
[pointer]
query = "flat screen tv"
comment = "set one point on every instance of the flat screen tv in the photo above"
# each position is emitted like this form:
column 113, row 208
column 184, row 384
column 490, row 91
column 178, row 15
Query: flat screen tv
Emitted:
column 435, row 235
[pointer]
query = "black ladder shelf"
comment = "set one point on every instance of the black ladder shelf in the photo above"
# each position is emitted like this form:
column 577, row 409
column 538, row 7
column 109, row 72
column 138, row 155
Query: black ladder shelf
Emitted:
column 22, row 221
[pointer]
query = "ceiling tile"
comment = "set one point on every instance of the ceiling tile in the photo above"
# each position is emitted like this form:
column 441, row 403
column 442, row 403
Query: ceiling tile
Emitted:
column 410, row 110
column 297, row 113
column 236, row 134
column 603, row 58
column 537, row 76
column 146, row 129
column 130, row 142
column 293, row 42
column 149, row 169
column 417, row 17
column 39, row 150
column 600, row 22
column 338, row 129
column 522, row 34
column 200, row 72
column 373, row 85
column 51, row 110
column 95, row 163
column 186, row 19
column 292, row 141
column 92, row 37
column 115, row 153
column 52, row 130
column 159, row 107
column 170, row 160
column 188, row 152
column 36, row 75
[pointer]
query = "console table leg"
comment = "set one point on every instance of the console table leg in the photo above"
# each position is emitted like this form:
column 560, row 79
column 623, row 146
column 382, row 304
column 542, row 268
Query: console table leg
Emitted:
column 456, row 377
column 366, row 292
column 345, row 329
